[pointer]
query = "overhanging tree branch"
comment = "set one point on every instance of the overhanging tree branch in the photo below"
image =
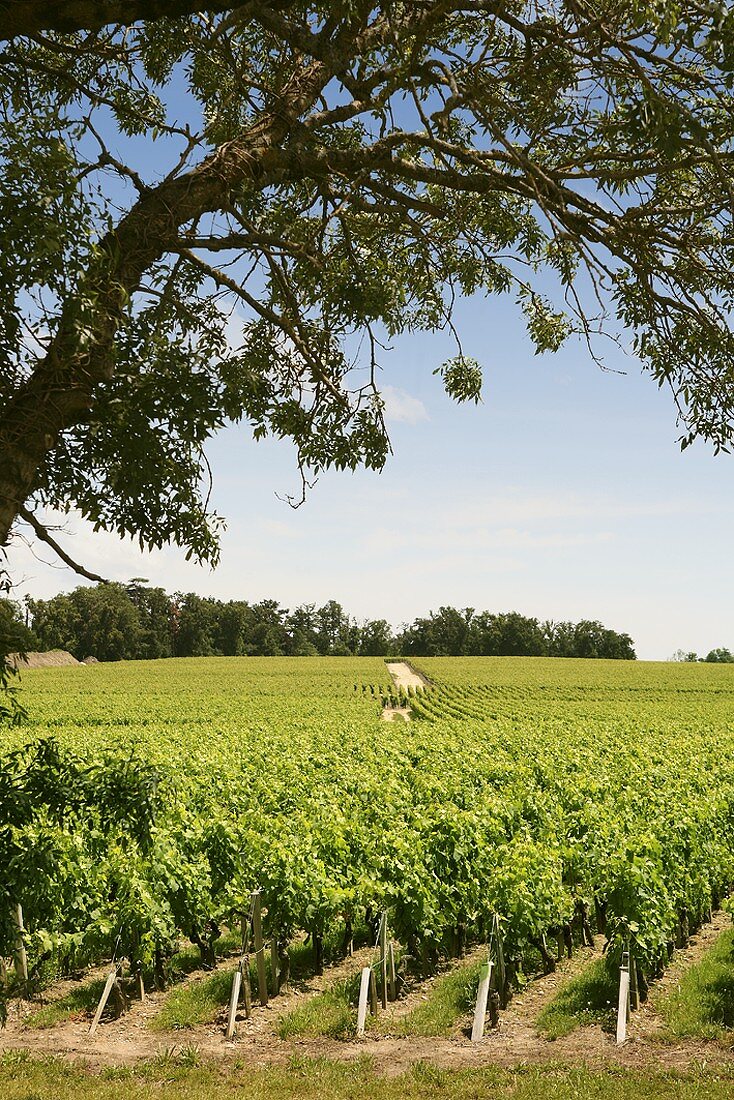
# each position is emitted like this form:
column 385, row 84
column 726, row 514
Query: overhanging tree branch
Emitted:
column 43, row 533
column 28, row 17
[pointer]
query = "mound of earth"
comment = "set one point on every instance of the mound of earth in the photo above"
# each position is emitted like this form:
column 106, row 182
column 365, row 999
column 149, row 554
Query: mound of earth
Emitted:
column 54, row 658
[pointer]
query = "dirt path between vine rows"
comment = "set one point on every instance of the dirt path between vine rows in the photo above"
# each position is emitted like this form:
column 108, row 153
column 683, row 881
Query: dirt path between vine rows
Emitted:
column 516, row 1041
column 404, row 677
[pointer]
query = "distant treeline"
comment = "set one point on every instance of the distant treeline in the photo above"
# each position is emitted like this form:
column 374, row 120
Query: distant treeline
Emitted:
column 114, row 622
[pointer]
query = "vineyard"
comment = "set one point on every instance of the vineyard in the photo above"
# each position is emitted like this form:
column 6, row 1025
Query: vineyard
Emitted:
column 143, row 804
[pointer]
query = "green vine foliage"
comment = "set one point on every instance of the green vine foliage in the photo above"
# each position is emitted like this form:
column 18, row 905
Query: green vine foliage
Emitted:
column 146, row 802
column 11, row 709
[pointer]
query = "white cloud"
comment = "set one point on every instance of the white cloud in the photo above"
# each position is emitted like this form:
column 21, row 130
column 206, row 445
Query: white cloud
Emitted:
column 477, row 538
column 519, row 506
column 401, row 406
column 279, row 530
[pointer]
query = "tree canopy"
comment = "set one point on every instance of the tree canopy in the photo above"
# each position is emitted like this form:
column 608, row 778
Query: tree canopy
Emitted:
column 336, row 174
column 115, row 622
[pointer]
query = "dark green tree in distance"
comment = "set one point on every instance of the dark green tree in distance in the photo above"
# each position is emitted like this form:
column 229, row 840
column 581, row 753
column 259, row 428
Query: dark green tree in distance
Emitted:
column 154, row 609
column 376, row 639
column 115, row 622
column 450, row 632
column 720, row 656
column 509, row 635
column 101, row 622
column 194, row 620
column 15, row 636
column 268, row 635
column 302, row 627
column 333, row 629
column 442, row 633
column 588, row 639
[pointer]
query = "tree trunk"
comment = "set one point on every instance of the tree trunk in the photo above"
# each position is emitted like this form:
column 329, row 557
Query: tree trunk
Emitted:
column 318, row 947
column 549, row 963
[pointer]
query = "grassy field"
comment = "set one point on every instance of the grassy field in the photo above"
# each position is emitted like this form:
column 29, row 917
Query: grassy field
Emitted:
column 181, row 1077
column 589, row 997
column 702, row 1004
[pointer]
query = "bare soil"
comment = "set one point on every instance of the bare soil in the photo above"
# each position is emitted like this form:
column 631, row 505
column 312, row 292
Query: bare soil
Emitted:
column 516, row 1041
column 54, row 658
column 391, row 714
column 405, row 677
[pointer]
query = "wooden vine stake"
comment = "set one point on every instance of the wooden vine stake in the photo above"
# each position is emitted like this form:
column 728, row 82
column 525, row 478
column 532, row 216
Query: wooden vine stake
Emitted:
column 19, row 954
column 392, row 979
column 246, row 989
column 480, row 1009
column 634, row 990
column 497, row 955
column 364, row 992
column 623, row 1005
column 241, row 976
column 111, row 979
column 257, row 929
column 494, row 1001
column 373, row 993
column 234, row 1000
column 383, row 959
column 274, row 974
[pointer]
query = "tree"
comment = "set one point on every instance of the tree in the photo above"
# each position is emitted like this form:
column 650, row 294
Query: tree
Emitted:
column 720, row 656
column 509, row 634
column 443, row 633
column 337, row 168
column 333, row 630
column 302, row 628
column 684, row 655
column 234, row 621
column 268, row 636
column 28, row 17
column 376, row 639
column 593, row 639
column 15, row 636
column 102, row 622
column 195, row 624
column 154, row 618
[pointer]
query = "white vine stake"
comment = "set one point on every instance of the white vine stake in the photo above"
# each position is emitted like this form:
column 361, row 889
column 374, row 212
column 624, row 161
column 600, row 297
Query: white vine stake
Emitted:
column 234, row 1000
column 364, row 992
column 480, row 1010
column 623, row 1005
column 111, row 979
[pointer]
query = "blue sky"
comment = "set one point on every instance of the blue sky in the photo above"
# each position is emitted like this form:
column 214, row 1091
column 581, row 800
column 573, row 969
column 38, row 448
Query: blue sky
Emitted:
column 563, row 495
